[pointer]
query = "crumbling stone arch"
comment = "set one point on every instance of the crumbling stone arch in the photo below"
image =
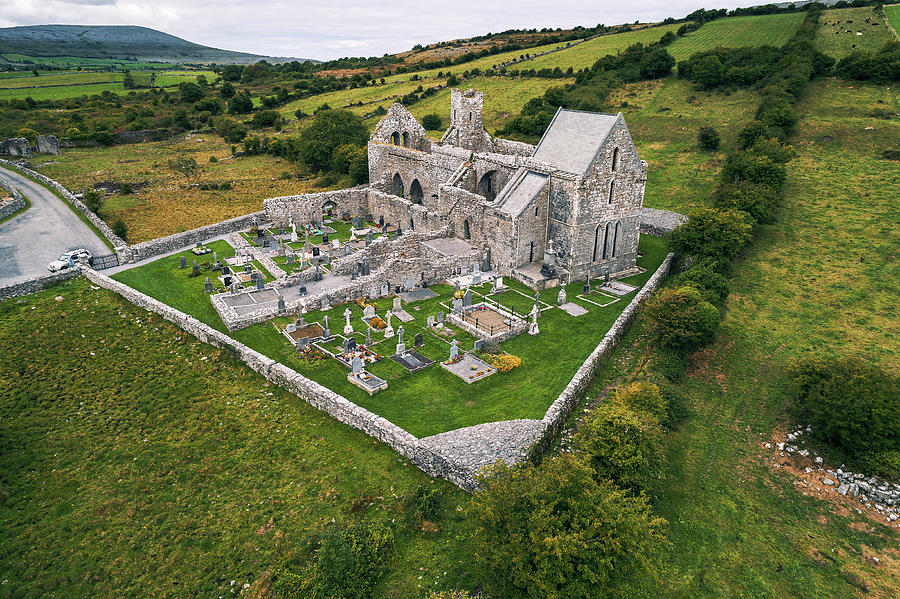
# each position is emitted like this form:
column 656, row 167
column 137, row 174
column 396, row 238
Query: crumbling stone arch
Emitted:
column 397, row 185
column 328, row 207
column 395, row 138
column 416, row 195
column 405, row 138
column 487, row 186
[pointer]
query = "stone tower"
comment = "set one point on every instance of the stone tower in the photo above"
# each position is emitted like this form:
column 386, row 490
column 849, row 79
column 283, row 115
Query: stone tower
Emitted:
column 466, row 120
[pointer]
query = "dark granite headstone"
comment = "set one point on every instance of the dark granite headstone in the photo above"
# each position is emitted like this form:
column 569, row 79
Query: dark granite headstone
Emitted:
column 183, row 262
column 418, row 341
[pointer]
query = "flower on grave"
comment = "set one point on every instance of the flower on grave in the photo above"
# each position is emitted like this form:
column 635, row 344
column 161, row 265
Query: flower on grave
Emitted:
column 377, row 324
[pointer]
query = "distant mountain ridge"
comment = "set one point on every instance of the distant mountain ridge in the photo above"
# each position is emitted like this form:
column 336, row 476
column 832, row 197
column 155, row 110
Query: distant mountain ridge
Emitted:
column 116, row 42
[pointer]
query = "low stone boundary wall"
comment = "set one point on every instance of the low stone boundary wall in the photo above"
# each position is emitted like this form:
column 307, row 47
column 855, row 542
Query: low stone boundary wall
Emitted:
column 560, row 409
column 38, row 283
column 660, row 223
column 17, row 203
column 312, row 392
column 117, row 242
column 163, row 245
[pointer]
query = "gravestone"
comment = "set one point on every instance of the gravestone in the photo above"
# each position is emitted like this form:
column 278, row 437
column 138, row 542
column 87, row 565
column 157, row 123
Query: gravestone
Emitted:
column 351, row 344
column 227, row 280
column 316, row 251
column 195, row 268
column 373, row 292
column 457, row 305
column 317, row 276
column 561, row 296
column 476, row 269
column 398, row 305
column 476, row 278
column 208, row 285
column 369, row 312
column 498, row 285
column 183, row 262
column 302, row 290
column 281, row 306
column 479, row 343
column 381, row 221
column 324, row 237
column 409, row 283
column 385, row 289
column 399, row 231
column 235, row 289
column 347, row 250
column 300, row 323
column 533, row 328
column 348, row 328
column 327, row 333
column 369, row 237
column 302, row 343
column 389, row 330
column 248, row 268
column 368, row 336
column 226, row 270
column 215, row 260
column 401, row 347
column 418, row 340
column 365, row 268
column 587, row 285
column 467, row 299
column 440, row 317
column 347, row 345
column 430, row 321
column 369, row 217
column 356, row 364
column 354, row 272
column 454, row 350
column 260, row 283
column 291, row 327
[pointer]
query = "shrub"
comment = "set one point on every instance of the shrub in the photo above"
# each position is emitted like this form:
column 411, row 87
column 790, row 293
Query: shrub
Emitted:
column 240, row 104
column 711, row 284
column 119, row 227
column 718, row 234
column 666, row 362
column 456, row 594
column 503, row 362
column 642, row 396
column 344, row 156
column 554, row 531
column 350, row 562
column 623, row 445
column 756, row 199
column 266, row 118
column 93, row 201
column 755, row 167
column 750, row 133
column 681, row 319
column 329, row 130
column 422, row 505
column 126, row 189
column 708, row 139
column 851, row 405
column 432, row 122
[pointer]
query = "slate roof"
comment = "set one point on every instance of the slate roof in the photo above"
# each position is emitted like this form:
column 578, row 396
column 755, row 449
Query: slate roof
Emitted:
column 516, row 196
column 573, row 139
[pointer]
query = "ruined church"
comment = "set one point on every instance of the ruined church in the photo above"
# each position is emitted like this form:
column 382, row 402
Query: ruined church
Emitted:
column 565, row 209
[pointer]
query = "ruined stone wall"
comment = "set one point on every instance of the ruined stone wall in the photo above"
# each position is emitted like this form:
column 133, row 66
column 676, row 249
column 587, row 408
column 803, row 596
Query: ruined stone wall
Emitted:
column 16, row 203
column 660, row 222
column 307, row 208
column 17, row 147
column 515, row 148
column 430, row 169
column 399, row 127
column 531, row 227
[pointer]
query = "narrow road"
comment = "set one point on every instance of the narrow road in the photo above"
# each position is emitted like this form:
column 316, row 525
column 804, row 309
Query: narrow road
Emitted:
column 34, row 238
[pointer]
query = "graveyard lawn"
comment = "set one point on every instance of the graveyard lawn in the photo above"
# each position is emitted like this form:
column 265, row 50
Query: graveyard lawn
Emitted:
column 141, row 462
column 432, row 400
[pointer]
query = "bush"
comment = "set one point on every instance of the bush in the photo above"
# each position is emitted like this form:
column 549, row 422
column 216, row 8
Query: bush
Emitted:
column 350, row 562
column 711, row 284
column 755, row 167
column 718, row 234
column 666, row 362
column 126, row 189
column 266, row 118
column 624, row 445
column 756, row 199
column 642, row 396
column 708, row 139
column 93, row 201
column 553, row 531
column 329, row 130
column 119, row 227
column 681, row 319
column 422, row 505
column 851, row 405
column 432, row 122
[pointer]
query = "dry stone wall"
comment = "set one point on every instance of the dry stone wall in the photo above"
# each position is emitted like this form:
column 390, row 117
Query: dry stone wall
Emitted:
column 307, row 208
column 38, row 283
column 14, row 205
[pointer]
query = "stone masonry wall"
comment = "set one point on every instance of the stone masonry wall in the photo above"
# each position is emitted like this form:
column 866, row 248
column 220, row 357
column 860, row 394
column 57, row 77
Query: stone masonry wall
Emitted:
column 313, row 393
column 285, row 209
column 17, row 203
column 163, row 245
column 38, row 283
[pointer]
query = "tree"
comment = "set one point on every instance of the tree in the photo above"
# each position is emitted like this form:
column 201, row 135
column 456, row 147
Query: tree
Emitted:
column 708, row 72
column 756, row 199
column 755, row 167
column 185, row 166
column 623, row 445
column 190, row 91
column 227, row 90
column 681, row 319
column 642, row 397
column 232, row 72
column 719, row 234
column 241, row 103
column 850, row 404
column 329, row 130
column 708, row 139
column 120, row 228
column 432, row 122
column 656, row 62
column 266, row 118
column 128, row 80
column 554, row 531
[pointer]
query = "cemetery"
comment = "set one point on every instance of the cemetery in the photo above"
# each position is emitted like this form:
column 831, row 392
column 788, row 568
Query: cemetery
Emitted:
column 406, row 347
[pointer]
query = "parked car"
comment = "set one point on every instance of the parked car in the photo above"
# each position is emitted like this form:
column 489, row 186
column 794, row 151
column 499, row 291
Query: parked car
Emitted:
column 70, row 259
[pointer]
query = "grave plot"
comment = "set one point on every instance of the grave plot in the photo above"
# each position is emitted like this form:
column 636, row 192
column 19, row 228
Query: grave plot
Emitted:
column 469, row 368
column 490, row 323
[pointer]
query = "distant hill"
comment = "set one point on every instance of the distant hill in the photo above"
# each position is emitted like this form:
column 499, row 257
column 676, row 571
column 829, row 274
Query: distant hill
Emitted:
column 120, row 42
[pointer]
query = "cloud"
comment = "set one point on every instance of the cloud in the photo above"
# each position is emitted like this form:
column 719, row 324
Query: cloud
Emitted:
column 327, row 29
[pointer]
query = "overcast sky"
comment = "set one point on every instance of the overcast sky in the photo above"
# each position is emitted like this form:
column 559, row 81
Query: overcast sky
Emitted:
column 336, row 28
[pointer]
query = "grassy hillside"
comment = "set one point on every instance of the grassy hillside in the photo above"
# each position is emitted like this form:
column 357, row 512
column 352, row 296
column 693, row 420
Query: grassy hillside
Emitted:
column 734, row 32
column 59, row 86
column 892, row 13
column 139, row 462
column 837, row 37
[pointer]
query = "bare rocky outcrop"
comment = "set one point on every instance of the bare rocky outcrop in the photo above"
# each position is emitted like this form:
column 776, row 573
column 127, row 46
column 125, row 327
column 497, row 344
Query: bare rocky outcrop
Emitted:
column 16, row 146
column 47, row 144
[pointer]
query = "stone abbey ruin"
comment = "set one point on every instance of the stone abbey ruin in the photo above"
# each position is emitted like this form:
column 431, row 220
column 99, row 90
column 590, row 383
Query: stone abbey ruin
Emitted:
column 568, row 208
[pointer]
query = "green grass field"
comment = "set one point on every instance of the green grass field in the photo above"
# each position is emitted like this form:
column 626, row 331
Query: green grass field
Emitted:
column 734, row 32
column 53, row 79
column 53, row 86
column 433, row 400
column 892, row 12
column 139, row 462
column 832, row 39
column 61, row 92
column 586, row 54
column 75, row 61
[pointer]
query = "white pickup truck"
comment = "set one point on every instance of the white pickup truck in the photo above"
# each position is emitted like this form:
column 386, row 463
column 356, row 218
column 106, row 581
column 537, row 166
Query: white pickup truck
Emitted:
column 70, row 259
